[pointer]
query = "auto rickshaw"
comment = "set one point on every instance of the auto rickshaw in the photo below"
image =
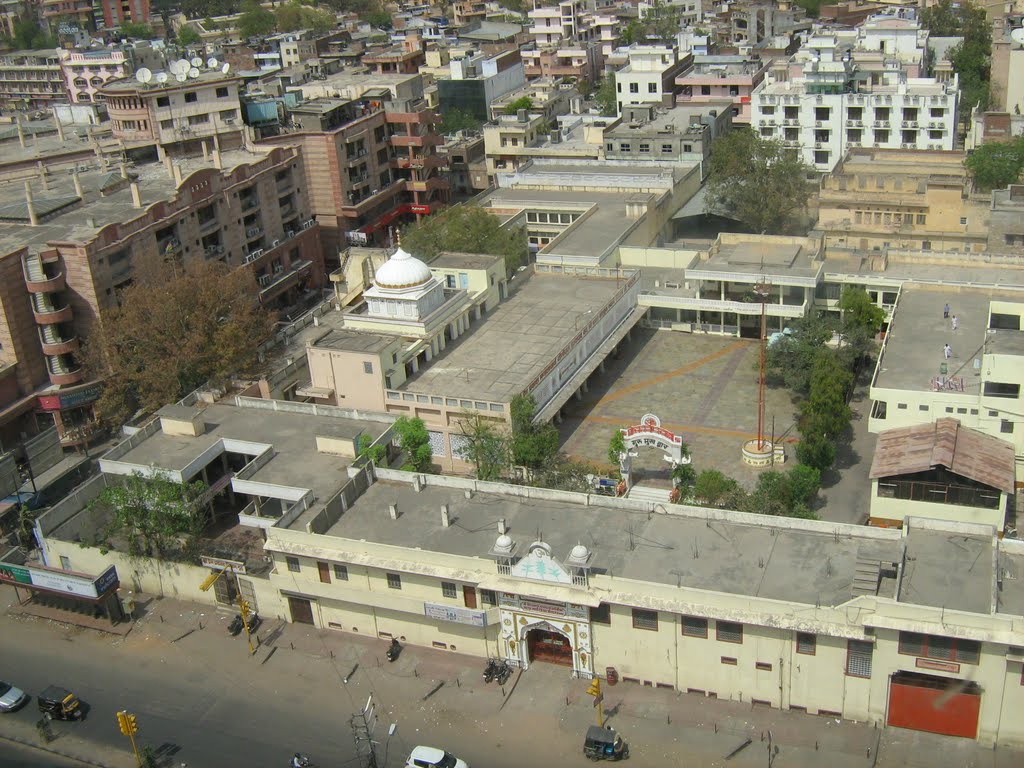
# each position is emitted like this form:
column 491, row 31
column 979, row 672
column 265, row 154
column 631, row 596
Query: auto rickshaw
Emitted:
column 60, row 704
column 604, row 744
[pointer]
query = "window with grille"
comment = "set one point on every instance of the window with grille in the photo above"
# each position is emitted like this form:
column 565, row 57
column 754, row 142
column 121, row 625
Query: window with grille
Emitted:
column 645, row 619
column 601, row 615
column 942, row 648
column 694, row 627
column 394, row 581
column 488, row 597
column 727, row 632
column 806, row 643
column 341, row 572
column 858, row 658
column 448, row 589
column 293, row 564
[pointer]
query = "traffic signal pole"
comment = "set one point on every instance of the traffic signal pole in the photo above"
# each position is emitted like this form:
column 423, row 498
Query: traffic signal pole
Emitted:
column 129, row 727
column 595, row 691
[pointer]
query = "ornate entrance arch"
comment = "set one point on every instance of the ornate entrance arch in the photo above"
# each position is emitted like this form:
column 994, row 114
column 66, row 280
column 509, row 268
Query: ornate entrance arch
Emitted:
column 649, row 434
column 544, row 641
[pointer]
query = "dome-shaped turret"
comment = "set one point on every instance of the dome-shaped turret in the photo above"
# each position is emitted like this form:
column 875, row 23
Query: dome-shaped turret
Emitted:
column 503, row 543
column 402, row 270
column 579, row 552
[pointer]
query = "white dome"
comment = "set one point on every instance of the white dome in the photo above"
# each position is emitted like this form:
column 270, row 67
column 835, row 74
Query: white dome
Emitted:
column 402, row 270
column 579, row 552
column 503, row 543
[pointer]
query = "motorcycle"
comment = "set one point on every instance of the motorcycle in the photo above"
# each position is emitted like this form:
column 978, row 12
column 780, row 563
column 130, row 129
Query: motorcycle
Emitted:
column 504, row 672
column 300, row 761
column 394, row 649
column 236, row 625
column 491, row 670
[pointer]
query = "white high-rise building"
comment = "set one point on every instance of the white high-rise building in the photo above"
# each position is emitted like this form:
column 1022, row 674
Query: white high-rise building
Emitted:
column 829, row 98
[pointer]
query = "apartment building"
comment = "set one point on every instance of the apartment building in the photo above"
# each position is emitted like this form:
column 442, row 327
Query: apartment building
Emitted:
column 570, row 59
column 716, row 77
column 86, row 72
column 649, row 76
column 477, row 80
column 177, row 115
column 369, row 162
column 876, row 199
column 822, row 106
column 1007, row 67
column 681, row 135
column 514, row 141
column 402, row 59
column 566, row 40
column 30, row 80
column 73, row 232
column 118, row 12
column 549, row 97
column 880, row 626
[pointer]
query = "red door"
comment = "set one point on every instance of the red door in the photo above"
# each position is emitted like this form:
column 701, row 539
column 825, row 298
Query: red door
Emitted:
column 549, row 646
column 934, row 704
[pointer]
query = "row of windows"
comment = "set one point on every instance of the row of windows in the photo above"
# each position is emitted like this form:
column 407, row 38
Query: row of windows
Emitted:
column 645, row 147
column 635, row 87
column 887, row 218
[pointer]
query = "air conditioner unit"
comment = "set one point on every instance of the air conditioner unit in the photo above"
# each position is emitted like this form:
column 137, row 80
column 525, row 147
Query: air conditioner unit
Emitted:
column 817, row 123
column 771, row 122
column 289, row 233
column 906, row 123
column 263, row 280
column 275, row 244
column 257, row 253
column 278, row 269
column 913, row 124
column 931, row 125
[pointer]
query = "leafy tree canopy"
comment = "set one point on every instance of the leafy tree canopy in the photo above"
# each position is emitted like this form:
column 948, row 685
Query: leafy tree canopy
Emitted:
column 136, row 31
column 155, row 515
column 996, row 164
column 172, row 332
column 415, row 442
column 255, row 20
column 29, row 36
column 532, row 445
column 466, row 228
column 616, row 446
column 860, row 313
column 714, row 488
column 523, row 102
column 485, row 445
column 606, row 96
column 824, row 410
column 792, row 357
column 459, row 120
column 757, row 181
column 188, row 36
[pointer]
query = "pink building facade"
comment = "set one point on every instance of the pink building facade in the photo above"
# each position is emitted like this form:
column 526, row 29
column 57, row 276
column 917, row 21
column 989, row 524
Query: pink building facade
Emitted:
column 86, row 72
column 714, row 78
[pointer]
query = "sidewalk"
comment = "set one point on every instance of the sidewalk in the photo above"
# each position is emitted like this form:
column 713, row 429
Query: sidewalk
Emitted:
column 439, row 697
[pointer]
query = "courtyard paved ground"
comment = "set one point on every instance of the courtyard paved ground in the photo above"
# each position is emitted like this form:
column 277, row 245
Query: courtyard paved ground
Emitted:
column 702, row 387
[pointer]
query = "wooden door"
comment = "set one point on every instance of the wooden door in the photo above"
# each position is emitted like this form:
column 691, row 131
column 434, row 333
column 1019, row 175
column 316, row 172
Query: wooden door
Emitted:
column 301, row 610
column 325, row 572
column 469, row 596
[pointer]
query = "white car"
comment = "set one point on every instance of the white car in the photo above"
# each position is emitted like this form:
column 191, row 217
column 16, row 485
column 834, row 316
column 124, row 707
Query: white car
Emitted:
column 431, row 757
column 10, row 697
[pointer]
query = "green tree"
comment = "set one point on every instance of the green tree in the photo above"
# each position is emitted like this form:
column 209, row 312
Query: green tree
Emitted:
column 137, row 31
column 465, row 228
column 155, row 515
column 996, row 164
column 378, row 19
column 415, row 441
column 662, row 20
column 634, row 32
column 523, row 102
column 458, row 120
column 565, row 474
column 813, row 7
column 255, row 20
column 375, row 453
column 860, row 312
column 188, row 36
column 616, row 447
column 684, row 476
column 804, row 482
column 532, row 445
column 174, row 331
column 485, row 445
column 757, row 181
column 29, row 36
column 971, row 58
column 817, row 451
column 824, row 410
column 714, row 488
column 792, row 357
column 606, row 96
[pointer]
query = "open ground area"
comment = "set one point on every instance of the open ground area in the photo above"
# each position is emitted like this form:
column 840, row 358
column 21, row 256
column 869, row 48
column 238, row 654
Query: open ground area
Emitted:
column 703, row 387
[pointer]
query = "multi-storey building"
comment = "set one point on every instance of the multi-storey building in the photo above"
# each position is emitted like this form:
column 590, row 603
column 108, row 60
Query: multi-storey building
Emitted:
column 1007, row 68
column 568, row 40
column 402, row 59
column 681, row 135
column 649, row 76
column 177, row 115
column 722, row 77
column 31, row 80
column 70, row 239
column 369, row 161
column 876, row 199
column 822, row 105
column 86, row 72
column 476, row 81
column 118, row 12
column 514, row 141
column 549, row 96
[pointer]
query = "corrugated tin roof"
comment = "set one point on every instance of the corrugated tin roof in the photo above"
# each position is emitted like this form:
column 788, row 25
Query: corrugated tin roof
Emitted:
column 963, row 451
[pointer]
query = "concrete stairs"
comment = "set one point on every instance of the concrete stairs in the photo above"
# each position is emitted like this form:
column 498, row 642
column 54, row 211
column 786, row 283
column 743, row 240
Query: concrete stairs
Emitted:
column 649, row 493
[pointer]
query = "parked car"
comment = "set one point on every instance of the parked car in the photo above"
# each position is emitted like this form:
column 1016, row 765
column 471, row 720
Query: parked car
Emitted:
column 11, row 698
column 431, row 757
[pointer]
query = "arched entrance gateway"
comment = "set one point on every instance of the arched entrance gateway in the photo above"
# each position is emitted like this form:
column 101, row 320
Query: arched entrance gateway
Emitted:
column 550, row 622
column 649, row 434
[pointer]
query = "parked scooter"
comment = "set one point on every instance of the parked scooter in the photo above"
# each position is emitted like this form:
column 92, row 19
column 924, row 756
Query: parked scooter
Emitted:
column 504, row 672
column 236, row 625
column 299, row 761
column 394, row 649
column 254, row 622
column 491, row 670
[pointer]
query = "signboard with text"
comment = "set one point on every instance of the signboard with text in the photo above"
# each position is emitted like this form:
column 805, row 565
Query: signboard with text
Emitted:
column 56, row 580
column 455, row 614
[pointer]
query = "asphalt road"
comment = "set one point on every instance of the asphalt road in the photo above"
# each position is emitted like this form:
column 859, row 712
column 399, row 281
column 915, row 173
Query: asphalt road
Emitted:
column 16, row 756
column 197, row 713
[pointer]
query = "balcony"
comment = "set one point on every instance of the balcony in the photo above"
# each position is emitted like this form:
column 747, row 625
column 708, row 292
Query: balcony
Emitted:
column 63, row 374
column 53, row 344
column 274, row 285
column 46, row 313
column 36, row 279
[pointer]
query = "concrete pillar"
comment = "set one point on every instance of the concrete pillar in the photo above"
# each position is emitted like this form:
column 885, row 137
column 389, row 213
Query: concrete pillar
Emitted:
column 601, row 367
column 216, row 153
column 78, row 183
column 60, row 128
column 21, row 132
column 206, row 152
column 177, row 174
column 722, row 292
column 136, row 195
column 415, row 362
column 585, row 386
column 123, row 167
column 32, row 218
column 429, row 352
column 160, row 153
column 578, row 394
column 169, row 165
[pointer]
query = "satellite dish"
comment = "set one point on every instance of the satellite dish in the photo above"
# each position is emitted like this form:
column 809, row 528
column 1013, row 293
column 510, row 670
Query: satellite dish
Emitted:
column 182, row 66
column 1017, row 35
column 161, row 77
column 197, row 62
column 143, row 75
column 181, row 77
column 212, row 63
column 193, row 73
column 226, row 68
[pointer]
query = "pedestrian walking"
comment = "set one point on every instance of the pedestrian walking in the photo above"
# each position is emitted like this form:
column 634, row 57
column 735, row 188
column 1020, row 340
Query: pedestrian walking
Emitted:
column 947, row 352
column 945, row 312
column 954, row 321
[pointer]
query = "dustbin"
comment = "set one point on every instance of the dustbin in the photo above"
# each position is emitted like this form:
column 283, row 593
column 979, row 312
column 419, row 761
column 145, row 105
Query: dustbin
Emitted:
column 612, row 675
column 943, row 369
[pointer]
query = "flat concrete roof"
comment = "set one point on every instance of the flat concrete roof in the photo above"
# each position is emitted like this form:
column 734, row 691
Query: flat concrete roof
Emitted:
column 996, row 275
column 761, row 258
column 458, row 260
column 296, row 462
column 1011, row 573
column 800, row 566
column 945, row 569
column 914, row 344
column 355, row 341
column 499, row 357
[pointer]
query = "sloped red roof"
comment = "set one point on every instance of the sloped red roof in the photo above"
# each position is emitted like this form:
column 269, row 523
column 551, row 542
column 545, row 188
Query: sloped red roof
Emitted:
column 947, row 443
